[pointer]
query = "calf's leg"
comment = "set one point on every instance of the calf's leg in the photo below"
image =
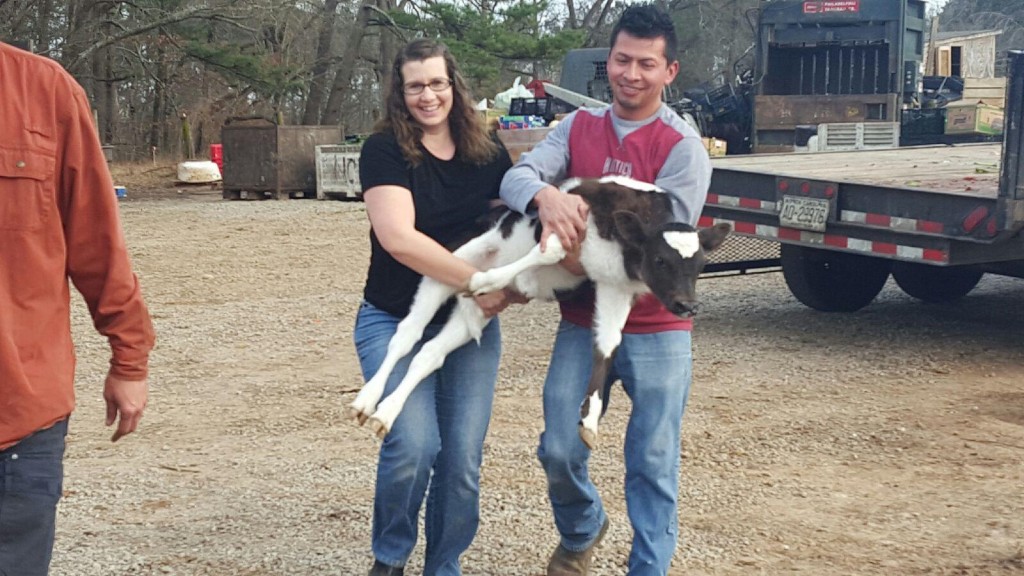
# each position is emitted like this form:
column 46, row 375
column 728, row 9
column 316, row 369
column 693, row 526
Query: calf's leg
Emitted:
column 501, row 276
column 611, row 308
column 465, row 323
column 430, row 296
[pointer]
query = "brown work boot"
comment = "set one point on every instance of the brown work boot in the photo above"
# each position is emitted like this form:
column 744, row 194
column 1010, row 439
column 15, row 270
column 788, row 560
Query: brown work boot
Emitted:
column 381, row 569
column 565, row 562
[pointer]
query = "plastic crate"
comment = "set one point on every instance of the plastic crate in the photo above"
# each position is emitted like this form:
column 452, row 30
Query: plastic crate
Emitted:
column 923, row 122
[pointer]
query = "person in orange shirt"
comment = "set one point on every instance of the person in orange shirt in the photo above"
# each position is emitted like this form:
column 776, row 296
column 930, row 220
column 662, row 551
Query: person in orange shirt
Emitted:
column 58, row 221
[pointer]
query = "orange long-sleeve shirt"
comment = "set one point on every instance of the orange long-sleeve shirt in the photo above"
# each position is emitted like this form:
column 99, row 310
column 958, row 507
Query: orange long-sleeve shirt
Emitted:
column 58, row 220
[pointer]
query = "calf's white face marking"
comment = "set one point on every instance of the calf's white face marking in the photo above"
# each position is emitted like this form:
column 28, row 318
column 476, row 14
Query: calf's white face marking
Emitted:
column 630, row 183
column 686, row 243
column 570, row 184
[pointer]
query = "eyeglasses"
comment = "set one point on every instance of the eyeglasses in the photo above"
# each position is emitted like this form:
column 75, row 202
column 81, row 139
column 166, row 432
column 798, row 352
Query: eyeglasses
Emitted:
column 436, row 85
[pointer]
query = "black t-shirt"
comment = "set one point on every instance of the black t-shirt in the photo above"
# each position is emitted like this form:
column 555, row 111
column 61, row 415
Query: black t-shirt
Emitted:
column 449, row 196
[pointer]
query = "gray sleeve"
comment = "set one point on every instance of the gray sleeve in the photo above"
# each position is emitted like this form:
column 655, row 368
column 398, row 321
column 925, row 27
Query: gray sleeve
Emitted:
column 545, row 164
column 686, row 175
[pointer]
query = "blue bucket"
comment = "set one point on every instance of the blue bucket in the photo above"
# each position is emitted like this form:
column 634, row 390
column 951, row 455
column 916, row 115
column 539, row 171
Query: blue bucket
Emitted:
column 120, row 191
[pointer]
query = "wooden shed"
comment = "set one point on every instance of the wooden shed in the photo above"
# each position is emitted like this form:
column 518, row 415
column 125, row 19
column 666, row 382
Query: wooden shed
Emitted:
column 966, row 54
column 970, row 55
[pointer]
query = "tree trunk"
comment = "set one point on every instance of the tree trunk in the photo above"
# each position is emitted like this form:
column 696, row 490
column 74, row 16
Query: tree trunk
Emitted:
column 99, row 104
column 186, row 138
column 81, row 25
column 43, row 25
column 322, row 64
column 159, row 98
column 592, row 21
column 110, row 108
column 389, row 46
column 571, row 7
column 343, row 77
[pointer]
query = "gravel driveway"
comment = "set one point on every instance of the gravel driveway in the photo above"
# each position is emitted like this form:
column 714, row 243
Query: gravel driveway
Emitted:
column 886, row 442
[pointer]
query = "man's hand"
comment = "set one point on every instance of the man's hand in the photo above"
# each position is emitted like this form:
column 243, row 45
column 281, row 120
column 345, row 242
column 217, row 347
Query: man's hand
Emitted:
column 127, row 398
column 572, row 263
column 562, row 214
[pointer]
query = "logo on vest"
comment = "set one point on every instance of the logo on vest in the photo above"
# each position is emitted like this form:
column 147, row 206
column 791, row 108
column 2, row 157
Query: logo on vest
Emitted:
column 613, row 166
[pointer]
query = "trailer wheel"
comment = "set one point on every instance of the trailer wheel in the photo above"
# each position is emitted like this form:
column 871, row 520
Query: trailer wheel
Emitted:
column 935, row 284
column 832, row 281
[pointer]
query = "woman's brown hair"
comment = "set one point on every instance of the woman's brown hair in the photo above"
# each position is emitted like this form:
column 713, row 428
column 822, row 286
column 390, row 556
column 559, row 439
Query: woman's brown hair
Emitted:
column 473, row 143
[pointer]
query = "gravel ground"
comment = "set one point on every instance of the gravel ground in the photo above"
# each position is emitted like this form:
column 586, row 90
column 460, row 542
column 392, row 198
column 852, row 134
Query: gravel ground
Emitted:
column 886, row 442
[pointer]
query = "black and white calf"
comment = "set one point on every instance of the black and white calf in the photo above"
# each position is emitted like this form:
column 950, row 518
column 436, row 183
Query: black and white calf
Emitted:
column 632, row 247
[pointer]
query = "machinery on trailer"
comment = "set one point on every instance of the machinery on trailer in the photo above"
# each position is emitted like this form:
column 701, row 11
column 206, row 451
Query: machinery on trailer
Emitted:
column 935, row 218
column 835, row 61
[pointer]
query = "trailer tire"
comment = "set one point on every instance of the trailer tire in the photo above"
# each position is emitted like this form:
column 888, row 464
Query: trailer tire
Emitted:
column 935, row 284
column 832, row 281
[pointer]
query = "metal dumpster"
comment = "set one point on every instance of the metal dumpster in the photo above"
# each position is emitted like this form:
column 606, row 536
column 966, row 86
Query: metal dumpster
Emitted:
column 266, row 160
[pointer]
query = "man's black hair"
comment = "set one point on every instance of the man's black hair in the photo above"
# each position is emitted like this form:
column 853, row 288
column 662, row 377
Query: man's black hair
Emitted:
column 648, row 21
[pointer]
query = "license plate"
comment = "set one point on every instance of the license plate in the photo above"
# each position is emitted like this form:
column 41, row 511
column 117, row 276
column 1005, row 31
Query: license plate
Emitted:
column 804, row 213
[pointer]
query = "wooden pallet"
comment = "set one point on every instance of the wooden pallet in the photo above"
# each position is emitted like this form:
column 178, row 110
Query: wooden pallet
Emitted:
column 237, row 194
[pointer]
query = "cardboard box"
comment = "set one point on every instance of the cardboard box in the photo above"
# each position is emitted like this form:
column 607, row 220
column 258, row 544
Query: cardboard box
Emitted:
column 973, row 118
column 520, row 122
column 491, row 116
column 517, row 142
column 991, row 91
column 714, row 146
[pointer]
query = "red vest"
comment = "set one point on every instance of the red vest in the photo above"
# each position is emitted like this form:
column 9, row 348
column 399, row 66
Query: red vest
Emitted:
column 595, row 151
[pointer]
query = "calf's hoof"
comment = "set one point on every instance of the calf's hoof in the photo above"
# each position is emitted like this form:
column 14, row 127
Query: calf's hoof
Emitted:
column 488, row 288
column 481, row 283
column 357, row 414
column 379, row 427
column 588, row 436
column 553, row 255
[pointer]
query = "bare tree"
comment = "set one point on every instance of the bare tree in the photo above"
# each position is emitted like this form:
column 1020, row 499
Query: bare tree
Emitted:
column 322, row 64
column 1004, row 15
column 368, row 10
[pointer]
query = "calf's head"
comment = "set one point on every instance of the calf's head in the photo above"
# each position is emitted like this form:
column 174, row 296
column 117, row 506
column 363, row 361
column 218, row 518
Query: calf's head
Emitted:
column 673, row 256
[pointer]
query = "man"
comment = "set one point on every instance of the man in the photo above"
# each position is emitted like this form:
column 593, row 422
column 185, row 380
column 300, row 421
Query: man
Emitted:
column 640, row 137
column 58, row 220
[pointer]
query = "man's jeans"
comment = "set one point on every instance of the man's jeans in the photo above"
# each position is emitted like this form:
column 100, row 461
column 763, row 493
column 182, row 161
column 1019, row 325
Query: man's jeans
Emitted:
column 655, row 370
column 31, row 480
column 437, row 439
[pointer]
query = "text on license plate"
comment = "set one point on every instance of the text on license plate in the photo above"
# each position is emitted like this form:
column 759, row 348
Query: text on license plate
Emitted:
column 804, row 213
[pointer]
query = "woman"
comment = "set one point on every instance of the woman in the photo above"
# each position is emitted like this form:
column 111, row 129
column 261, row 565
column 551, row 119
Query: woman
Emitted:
column 428, row 173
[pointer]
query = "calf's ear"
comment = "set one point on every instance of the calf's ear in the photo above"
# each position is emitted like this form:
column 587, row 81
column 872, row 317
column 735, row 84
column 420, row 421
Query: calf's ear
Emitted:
column 711, row 238
column 630, row 227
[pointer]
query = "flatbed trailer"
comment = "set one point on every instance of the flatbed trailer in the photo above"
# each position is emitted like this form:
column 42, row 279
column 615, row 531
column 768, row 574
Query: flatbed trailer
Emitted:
column 936, row 218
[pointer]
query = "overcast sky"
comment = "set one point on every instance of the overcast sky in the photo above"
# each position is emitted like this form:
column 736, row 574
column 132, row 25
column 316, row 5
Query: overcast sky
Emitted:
column 937, row 3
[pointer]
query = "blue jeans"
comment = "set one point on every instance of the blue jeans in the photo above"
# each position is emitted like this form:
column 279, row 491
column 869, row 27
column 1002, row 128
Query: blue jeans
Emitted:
column 655, row 370
column 437, row 441
column 31, row 481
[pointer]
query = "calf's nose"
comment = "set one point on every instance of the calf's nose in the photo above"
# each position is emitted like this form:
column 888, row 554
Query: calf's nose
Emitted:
column 684, row 308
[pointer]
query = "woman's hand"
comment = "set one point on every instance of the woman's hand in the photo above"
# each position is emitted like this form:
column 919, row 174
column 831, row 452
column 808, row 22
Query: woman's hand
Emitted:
column 493, row 303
